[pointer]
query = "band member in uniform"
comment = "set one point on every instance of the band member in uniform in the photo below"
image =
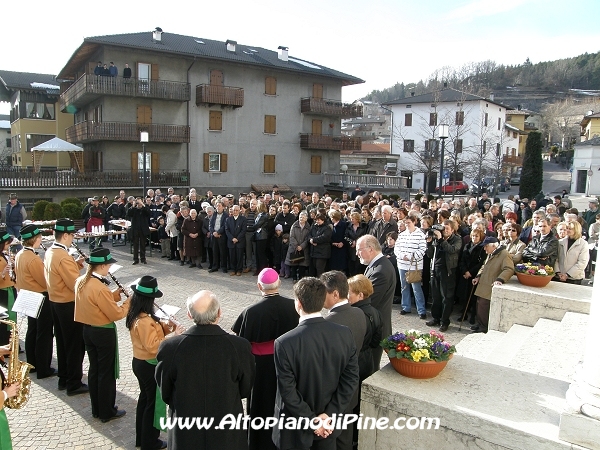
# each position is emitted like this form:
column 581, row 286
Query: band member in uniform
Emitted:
column 8, row 293
column 7, row 392
column 96, row 306
column 29, row 270
column 147, row 332
column 61, row 272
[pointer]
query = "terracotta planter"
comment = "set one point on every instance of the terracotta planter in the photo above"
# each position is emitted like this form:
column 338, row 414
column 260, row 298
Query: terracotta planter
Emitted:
column 418, row 370
column 534, row 280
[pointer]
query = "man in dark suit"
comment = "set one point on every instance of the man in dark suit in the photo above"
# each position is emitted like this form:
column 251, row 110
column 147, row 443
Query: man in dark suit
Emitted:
column 219, row 238
column 192, row 391
column 341, row 312
column 235, row 228
column 317, row 372
column 139, row 215
column 382, row 275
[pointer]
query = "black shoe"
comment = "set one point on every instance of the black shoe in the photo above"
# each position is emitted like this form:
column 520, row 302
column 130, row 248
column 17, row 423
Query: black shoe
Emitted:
column 163, row 256
column 433, row 323
column 161, row 444
column 144, row 261
column 212, row 270
column 53, row 372
column 423, row 316
column 403, row 313
column 61, row 387
column 83, row 389
column 191, row 266
column 170, row 259
column 120, row 413
column 181, row 263
column 135, row 262
column 200, row 266
column 444, row 328
column 477, row 331
column 397, row 300
column 224, row 270
column 474, row 328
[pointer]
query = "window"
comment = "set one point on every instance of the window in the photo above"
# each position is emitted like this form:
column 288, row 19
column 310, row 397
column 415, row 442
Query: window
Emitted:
column 408, row 120
column 485, row 120
column 215, row 162
column 39, row 110
column 315, row 164
column 499, row 123
column 37, row 139
column 269, row 164
column 508, row 118
column 270, row 124
column 460, row 117
column 317, row 90
column 270, row 86
column 140, row 162
column 98, row 114
column 215, row 121
column 458, row 146
column 515, row 135
column 431, row 149
column 8, row 143
column 432, row 119
column 498, row 151
column 409, row 145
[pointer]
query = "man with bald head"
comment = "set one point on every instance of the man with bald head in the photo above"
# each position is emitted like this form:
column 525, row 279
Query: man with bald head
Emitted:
column 205, row 372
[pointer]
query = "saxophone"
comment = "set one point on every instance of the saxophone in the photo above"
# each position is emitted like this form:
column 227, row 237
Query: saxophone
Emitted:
column 18, row 371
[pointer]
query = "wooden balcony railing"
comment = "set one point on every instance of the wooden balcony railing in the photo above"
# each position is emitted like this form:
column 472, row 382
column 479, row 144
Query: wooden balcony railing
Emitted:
column 323, row 142
column 123, row 131
column 325, row 106
column 219, row 95
column 513, row 160
column 370, row 181
column 60, row 179
column 89, row 87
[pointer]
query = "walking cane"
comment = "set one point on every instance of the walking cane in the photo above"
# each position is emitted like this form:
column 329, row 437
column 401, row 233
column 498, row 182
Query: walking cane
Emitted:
column 467, row 307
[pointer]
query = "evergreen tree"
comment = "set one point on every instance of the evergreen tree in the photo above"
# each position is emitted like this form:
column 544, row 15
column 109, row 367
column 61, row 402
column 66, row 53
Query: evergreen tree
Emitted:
column 532, row 174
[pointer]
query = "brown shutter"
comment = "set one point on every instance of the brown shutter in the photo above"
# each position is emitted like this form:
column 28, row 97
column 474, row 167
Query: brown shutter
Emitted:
column 485, row 120
column 408, row 120
column 315, row 164
column 270, row 85
column 206, row 159
column 215, row 120
column 155, row 161
column 317, row 90
column 134, row 163
column 269, row 164
column 144, row 114
column 270, row 124
column 154, row 72
column 317, row 127
column 432, row 119
column 216, row 78
column 223, row 162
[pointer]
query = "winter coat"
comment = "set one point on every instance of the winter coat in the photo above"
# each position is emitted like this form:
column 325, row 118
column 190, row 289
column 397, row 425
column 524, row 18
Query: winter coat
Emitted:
column 353, row 235
column 574, row 260
column 515, row 249
column 321, row 236
column 497, row 267
column 542, row 250
column 192, row 246
column 299, row 237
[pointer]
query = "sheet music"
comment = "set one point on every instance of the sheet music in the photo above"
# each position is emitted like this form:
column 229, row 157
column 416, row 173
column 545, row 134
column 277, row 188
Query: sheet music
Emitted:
column 169, row 309
column 28, row 303
column 114, row 267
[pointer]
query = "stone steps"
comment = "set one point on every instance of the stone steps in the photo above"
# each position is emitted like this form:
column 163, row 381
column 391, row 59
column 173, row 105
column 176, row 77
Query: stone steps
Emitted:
column 506, row 349
column 531, row 355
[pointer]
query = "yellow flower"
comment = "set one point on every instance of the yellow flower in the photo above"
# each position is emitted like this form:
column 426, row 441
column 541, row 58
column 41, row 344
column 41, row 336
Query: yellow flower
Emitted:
column 416, row 355
column 425, row 353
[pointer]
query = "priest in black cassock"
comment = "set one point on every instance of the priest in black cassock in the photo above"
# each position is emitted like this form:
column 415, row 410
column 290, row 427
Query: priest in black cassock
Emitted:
column 261, row 324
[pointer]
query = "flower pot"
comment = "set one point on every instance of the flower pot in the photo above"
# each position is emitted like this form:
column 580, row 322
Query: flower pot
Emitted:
column 534, row 280
column 418, row 370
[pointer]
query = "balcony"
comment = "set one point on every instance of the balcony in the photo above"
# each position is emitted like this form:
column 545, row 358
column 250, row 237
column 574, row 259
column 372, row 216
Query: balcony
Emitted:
column 323, row 142
column 90, row 87
column 123, row 131
column 219, row 95
column 61, row 179
column 512, row 160
column 327, row 107
column 529, row 126
column 342, row 181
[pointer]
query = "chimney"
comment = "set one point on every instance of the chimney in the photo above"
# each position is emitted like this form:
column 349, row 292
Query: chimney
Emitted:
column 445, row 85
column 518, row 107
column 412, row 94
column 589, row 113
column 230, row 45
column 157, row 34
column 283, row 54
column 491, row 96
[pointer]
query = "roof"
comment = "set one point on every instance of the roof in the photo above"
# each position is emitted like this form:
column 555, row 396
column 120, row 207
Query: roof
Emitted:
column 361, row 120
column 57, row 145
column 586, row 119
column 521, row 112
column 193, row 47
column 595, row 141
column 447, row 95
column 25, row 81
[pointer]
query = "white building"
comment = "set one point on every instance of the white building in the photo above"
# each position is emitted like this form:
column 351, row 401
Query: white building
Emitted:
column 586, row 168
column 476, row 145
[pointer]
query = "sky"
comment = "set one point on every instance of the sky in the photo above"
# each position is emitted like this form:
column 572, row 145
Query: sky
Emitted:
column 379, row 41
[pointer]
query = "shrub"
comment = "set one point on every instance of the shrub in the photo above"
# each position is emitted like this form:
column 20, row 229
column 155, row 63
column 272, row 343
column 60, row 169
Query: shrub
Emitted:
column 532, row 174
column 52, row 211
column 38, row 210
column 72, row 211
column 71, row 200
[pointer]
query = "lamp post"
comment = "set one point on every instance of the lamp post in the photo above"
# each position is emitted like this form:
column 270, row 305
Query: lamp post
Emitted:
column 443, row 135
column 344, row 168
column 143, row 140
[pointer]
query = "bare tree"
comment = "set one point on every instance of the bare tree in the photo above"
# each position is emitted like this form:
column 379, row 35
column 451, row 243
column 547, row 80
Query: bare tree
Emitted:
column 478, row 159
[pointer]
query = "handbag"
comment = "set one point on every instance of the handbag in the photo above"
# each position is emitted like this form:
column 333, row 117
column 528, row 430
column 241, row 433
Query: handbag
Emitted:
column 413, row 276
column 297, row 256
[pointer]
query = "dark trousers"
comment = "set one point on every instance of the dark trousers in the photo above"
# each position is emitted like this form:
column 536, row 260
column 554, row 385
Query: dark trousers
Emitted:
column 5, row 329
column 145, row 433
column 317, row 266
column 236, row 258
column 219, row 246
column 443, row 285
column 139, row 246
column 39, row 340
column 298, row 272
column 100, row 344
column 174, row 251
column 209, row 253
column 483, row 313
column 261, row 254
column 69, row 345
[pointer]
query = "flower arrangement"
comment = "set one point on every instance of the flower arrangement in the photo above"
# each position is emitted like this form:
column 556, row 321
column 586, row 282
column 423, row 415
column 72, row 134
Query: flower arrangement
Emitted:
column 534, row 269
column 418, row 347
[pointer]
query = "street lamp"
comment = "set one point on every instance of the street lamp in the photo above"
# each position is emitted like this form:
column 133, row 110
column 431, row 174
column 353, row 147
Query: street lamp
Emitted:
column 143, row 140
column 344, row 168
column 443, row 135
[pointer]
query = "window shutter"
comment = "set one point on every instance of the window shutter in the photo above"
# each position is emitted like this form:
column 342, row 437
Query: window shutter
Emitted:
column 144, row 114
column 485, row 120
column 408, row 120
column 459, row 146
column 269, row 164
column 134, row 163
column 215, row 120
column 154, row 72
column 460, row 117
column 499, row 122
column 270, row 124
column 317, row 90
column 315, row 164
column 270, row 85
column 223, row 162
column 155, row 161
column 432, row 119
column 206, row 158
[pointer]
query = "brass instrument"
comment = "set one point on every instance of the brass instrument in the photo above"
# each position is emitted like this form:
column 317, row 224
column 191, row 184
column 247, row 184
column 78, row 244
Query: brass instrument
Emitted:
column 18, row 371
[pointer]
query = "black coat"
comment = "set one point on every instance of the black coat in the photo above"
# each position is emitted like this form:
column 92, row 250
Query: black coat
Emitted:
column 205, row 372
column 383, row 277
column 139, row 218
column 372, row 338
column 542, row 250
column 236, row 229
column 320, row 235
column 317, row 372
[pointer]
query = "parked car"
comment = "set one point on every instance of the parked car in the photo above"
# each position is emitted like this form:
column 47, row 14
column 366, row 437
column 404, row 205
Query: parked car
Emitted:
column 515, row 180
column 456, row 187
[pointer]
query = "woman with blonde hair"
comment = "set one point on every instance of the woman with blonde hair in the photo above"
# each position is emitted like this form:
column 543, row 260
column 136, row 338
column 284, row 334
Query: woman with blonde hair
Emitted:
column 573, row 255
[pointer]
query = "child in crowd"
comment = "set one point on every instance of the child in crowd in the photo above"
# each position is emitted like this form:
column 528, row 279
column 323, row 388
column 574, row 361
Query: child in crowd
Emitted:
column 163, row 238
column 276, row 242
column 285, row 271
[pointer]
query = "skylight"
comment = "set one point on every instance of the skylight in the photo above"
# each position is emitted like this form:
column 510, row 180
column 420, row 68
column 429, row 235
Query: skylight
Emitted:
column 199, row 41
column 44, row 85
column 252, row 50
column 304, row 63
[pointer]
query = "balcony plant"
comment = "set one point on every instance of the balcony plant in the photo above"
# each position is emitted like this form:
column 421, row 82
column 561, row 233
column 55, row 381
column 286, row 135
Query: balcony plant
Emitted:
column 534, row 275
column 418, row 355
